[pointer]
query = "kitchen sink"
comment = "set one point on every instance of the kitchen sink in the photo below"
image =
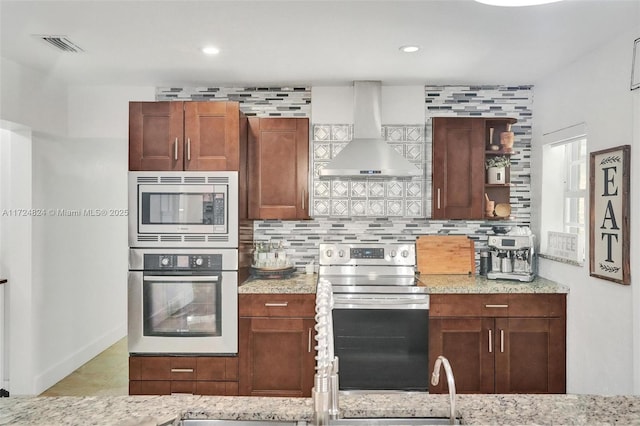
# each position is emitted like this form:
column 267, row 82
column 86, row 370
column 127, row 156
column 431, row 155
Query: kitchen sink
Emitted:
column 393, row 421
column 211, row 422
column 365, row 421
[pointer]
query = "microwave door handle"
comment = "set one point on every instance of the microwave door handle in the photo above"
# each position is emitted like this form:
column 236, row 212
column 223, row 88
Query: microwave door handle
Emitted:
column 175, row 278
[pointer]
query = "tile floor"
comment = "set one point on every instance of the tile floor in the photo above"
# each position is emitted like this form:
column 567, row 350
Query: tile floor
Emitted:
column 106, row 374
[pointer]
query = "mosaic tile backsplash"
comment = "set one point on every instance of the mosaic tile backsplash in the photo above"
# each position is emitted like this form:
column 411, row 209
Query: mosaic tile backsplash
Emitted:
column 254, row 101
column 382, row 211
column 346, row 210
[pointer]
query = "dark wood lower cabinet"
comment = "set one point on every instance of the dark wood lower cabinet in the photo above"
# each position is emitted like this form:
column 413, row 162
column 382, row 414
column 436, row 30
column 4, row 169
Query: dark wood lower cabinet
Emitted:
column 165, row 375
column 277, row 356
column 277, row 345
column 519, row 350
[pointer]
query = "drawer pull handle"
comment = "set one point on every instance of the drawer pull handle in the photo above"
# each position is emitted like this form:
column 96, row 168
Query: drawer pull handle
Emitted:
column 276, row 304
column 496, row 306
column 490, row 341
column 501, row 340
column 181, row 393
column 182, row 370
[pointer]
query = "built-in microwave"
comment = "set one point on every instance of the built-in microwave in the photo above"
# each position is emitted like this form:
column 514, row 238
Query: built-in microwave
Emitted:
column 183, row 209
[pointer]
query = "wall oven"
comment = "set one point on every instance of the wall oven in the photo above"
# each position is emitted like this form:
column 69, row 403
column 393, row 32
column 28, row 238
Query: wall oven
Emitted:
column 183, row 209
column 380, row 316
column 183, row 301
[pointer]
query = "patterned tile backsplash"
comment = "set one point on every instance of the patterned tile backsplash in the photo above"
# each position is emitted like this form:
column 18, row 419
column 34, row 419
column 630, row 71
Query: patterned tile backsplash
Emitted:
column 378, row 210
column 371, row 197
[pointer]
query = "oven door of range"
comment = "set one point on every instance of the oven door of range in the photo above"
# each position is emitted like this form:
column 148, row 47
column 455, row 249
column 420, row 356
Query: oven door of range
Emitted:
column 183, row 314
column 382, row 341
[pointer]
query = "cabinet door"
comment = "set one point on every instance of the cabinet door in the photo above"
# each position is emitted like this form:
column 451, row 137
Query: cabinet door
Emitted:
column 278, row 168
column 276, row 357
column 468, row 345
column 458, row 168
column 530, row 355
column 155, row 135
column 211, row 135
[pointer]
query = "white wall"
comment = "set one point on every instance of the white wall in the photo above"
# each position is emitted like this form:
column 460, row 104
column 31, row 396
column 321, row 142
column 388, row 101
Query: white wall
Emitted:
column 32, row 98
column 15, row 256
column 82, row 308
column 400, row 104
column 68, row 273
column 81, row 258
column 600, row 329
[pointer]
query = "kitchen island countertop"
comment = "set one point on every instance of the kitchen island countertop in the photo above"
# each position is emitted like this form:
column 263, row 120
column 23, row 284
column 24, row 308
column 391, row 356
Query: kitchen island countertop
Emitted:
column 168, row 410
column 435, row 284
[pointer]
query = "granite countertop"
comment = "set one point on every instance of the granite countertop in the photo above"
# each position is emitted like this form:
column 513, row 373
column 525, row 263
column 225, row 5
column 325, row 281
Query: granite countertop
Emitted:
column 435, row 284
column 472, row 409
column 298, row 283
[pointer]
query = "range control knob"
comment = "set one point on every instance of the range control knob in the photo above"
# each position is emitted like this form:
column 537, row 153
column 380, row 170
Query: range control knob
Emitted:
column 393, row 253
column 329, row 253
column 164, row 261
column 199, row 261
column 341, row 253
column 405, row 253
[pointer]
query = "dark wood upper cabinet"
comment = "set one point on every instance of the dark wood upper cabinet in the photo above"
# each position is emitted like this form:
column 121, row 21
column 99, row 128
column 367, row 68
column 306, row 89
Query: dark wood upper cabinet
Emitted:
column 278, row 168
column 185, row 136
column 156, row 135
column 460, row 146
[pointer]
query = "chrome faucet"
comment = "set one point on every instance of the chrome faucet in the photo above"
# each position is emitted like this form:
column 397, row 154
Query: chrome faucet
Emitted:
column 435, row 378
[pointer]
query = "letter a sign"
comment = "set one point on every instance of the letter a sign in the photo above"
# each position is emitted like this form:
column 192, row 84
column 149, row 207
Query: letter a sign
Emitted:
column 609, row 214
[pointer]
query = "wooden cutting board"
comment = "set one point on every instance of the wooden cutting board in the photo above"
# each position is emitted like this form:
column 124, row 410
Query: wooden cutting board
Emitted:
column 445, row 254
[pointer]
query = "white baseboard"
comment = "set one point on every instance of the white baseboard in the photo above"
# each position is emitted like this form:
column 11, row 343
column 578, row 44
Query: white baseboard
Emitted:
column 78, row 358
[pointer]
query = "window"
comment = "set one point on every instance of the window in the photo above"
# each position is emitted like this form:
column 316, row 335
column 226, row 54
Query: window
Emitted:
column 564, row 189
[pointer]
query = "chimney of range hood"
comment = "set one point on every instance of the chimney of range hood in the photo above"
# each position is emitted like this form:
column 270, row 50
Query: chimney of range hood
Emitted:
column 368, row 155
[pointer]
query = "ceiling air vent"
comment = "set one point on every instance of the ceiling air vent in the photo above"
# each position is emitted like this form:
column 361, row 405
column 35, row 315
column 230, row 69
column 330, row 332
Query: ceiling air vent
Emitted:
column 61, row 43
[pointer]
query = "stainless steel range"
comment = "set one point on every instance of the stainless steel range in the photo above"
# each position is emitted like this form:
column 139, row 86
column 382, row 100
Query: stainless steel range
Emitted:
column 380, row 316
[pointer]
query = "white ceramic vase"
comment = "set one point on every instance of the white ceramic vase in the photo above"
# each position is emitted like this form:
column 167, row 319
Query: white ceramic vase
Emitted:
column 496, row 175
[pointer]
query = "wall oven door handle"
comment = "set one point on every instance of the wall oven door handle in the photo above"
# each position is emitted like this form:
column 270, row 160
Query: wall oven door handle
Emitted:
column 175, row 278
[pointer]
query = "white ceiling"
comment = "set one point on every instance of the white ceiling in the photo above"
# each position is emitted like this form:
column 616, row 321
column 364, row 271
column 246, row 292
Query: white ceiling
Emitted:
column 322, row 42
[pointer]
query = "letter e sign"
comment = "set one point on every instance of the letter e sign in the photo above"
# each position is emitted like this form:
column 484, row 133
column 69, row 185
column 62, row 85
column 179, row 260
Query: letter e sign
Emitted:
column 609, row 214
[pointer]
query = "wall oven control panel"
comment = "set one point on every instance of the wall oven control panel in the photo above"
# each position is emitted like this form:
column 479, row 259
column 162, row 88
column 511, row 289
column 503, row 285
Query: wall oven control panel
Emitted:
column 182, row 261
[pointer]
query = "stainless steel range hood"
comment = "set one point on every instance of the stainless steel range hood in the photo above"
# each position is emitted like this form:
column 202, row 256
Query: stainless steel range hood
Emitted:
column 368, row 155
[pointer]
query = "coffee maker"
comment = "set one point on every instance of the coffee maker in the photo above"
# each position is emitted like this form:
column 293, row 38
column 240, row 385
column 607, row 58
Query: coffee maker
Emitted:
column 513, row 257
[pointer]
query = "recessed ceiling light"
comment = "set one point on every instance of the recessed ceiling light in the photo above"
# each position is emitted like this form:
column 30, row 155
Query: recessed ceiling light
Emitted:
column 516, row 3
column 409, row 49
column 210, row 50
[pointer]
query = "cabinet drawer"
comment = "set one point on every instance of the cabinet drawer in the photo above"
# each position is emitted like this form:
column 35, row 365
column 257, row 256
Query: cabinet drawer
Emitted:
column 149, row 387
column 183, row 386
column 277, row 305
column 217, row 368
column 497, row 305
column 469, row 305
column 537, row 305
column 217, row 388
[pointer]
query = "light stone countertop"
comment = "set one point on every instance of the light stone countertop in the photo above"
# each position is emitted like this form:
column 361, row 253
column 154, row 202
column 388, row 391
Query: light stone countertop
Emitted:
column 472, row 409
column 436, row 284
column 299, row 283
